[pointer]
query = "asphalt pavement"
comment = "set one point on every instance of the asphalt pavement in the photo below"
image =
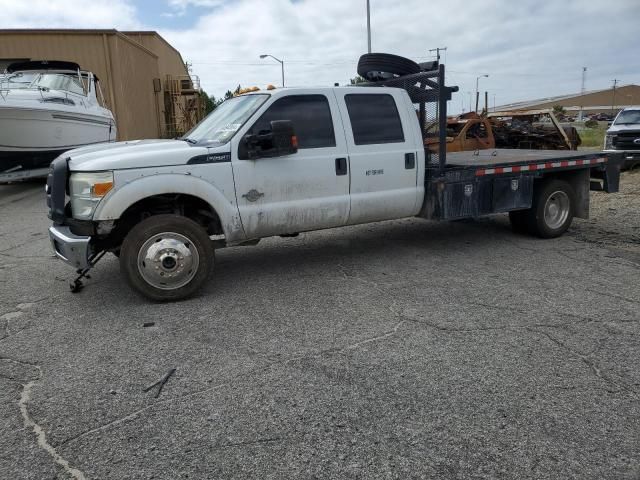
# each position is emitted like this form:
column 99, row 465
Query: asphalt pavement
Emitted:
column 399, row 350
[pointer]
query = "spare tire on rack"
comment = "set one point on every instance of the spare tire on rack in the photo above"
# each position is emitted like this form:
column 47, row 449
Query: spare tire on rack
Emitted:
column 375, row 67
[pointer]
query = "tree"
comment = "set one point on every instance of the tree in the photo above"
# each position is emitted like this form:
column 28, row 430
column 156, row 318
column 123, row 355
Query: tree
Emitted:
column 210, row 103
column 559, row 111
column 358, row 79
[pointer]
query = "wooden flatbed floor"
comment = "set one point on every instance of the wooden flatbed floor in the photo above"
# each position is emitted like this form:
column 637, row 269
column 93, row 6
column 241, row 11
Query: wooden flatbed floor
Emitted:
column 508, row 157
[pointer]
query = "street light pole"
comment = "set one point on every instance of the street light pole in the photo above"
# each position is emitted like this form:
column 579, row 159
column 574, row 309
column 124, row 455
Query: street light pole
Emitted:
column 369, row 26
column 277, row 60
column 477, row 93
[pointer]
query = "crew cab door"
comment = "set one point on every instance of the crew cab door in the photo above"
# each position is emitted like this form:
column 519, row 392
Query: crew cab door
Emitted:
column 307, row 190
column 383, row 154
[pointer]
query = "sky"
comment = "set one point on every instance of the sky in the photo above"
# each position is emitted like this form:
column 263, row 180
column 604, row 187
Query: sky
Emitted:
column 529, row 48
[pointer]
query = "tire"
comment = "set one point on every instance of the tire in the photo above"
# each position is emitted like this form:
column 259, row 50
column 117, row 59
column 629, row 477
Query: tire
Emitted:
column 382, row 66
column 552, row 209
column 152, row 252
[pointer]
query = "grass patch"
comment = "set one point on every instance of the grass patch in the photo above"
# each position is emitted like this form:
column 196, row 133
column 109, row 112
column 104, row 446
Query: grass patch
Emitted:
column 592, row 137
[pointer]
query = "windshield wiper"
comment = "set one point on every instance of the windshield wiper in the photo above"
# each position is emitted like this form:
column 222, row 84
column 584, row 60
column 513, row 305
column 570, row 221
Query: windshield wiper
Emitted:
column 189, row 140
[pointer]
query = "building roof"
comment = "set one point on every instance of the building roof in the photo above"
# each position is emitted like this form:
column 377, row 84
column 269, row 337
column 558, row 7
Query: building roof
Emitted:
column 559, row 98
column 80, row 31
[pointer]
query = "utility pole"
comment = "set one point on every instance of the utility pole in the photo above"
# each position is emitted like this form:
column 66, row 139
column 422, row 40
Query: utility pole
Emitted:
column 613, row 99
column 584, row 79
column 494, row 102
column 437, row 50
column 369, row 26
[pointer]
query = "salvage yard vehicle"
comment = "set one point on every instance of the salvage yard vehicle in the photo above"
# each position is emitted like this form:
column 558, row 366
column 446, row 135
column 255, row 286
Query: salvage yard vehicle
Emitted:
column 285, row 161
column 468, row 131
column 526, row 129
column 624, row 136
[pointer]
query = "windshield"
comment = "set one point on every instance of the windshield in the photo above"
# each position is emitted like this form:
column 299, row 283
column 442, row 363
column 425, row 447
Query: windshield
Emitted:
column 59, row 81
column 628, row 117
column 16, row 80
column 222, row 124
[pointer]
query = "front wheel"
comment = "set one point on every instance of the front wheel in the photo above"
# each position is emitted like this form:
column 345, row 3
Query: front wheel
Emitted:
column 166, row 257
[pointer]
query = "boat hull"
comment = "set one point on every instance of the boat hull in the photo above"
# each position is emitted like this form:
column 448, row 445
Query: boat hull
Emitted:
column 31, row 138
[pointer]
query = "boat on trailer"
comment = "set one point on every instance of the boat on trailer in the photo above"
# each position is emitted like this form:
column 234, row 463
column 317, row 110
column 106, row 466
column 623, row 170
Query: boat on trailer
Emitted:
column 47, row 108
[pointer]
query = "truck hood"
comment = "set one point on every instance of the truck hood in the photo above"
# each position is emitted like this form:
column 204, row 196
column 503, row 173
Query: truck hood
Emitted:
column 624, row 128
column 132, row 154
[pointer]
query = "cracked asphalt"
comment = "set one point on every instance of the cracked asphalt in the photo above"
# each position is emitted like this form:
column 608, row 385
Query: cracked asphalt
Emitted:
column 396, row 350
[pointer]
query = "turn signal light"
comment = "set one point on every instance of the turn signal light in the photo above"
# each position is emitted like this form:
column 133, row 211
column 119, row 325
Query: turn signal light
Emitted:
column 294, row 141
column 101, row 189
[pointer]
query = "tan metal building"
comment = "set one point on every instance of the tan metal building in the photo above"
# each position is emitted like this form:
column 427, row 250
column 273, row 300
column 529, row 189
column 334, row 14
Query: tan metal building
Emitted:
column 144, row 79
column 596, row 101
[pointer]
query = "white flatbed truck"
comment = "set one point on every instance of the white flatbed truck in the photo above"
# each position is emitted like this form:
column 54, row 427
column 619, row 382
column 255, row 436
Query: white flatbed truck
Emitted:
column 285, row 161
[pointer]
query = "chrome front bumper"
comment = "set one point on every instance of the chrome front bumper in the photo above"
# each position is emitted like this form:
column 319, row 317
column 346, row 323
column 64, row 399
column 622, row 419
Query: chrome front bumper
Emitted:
column 70, row 248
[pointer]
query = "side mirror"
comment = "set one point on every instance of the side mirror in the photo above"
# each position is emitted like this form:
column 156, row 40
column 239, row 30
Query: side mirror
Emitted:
column 280, row 141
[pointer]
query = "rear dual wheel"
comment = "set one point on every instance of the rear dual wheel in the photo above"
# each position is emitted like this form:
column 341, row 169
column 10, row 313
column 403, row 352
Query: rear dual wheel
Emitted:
column 551, row 212
column 166, row 257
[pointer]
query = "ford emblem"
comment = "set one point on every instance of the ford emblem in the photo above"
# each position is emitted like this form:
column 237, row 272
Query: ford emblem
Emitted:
column 637, row 141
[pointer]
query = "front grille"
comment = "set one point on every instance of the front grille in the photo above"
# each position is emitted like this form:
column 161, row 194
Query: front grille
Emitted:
column 626, row 141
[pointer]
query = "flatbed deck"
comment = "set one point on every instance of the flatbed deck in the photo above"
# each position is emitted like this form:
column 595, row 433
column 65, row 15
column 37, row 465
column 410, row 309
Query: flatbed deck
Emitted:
column 499, row 157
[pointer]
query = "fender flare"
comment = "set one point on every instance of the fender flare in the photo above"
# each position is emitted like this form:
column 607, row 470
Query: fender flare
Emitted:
column 116, row 202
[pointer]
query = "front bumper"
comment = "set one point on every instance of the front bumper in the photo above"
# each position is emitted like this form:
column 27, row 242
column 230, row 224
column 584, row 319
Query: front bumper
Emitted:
column 629, row 157
column 72, row 249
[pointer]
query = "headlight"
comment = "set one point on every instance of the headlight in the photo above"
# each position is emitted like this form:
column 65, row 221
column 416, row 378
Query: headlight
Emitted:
column 86, row 190
column 608, row 142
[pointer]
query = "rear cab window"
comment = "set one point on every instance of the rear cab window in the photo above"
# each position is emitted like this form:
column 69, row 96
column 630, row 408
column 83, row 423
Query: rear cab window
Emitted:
column 374, row 119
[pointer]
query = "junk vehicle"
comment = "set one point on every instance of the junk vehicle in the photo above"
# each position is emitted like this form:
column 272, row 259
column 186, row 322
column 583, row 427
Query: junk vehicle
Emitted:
column 624, row 136
column 46, row 108
column 292, row 160
column 527, row 129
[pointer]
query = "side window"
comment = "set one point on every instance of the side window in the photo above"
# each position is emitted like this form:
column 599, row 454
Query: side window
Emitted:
column 310, row 116
column 374, row 119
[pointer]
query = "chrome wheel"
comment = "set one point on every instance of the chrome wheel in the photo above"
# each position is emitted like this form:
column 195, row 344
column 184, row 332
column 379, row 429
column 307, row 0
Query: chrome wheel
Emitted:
column 557, row 209
column 168, row 261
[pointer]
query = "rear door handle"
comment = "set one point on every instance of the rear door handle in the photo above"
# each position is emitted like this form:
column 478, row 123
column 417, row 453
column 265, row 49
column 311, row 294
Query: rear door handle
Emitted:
column 409, row 161
column 341, row 166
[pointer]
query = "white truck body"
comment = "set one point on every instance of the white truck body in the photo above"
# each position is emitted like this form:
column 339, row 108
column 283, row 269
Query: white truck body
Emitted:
column 297, row 192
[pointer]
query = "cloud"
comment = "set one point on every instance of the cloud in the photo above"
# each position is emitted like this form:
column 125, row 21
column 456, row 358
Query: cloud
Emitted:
column 118, row 14
column 529, row 48
column 182, row 5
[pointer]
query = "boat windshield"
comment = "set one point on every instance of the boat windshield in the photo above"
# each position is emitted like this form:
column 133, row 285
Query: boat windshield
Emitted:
column 59, row 81
column 16, row 80
column 222, row 124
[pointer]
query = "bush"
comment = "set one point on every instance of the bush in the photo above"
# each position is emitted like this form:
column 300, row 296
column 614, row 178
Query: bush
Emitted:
column 591, row 124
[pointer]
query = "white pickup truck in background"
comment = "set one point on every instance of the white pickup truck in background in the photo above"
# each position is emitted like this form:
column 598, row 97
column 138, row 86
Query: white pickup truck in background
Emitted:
column 281, row 162
column 624, row 136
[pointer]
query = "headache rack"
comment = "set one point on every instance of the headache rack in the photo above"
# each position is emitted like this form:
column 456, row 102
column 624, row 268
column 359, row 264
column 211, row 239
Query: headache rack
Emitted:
column 429, row 95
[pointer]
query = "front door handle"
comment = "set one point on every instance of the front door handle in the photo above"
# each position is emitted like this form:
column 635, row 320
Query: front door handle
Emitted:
column 409, row 161
column 341, row 166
